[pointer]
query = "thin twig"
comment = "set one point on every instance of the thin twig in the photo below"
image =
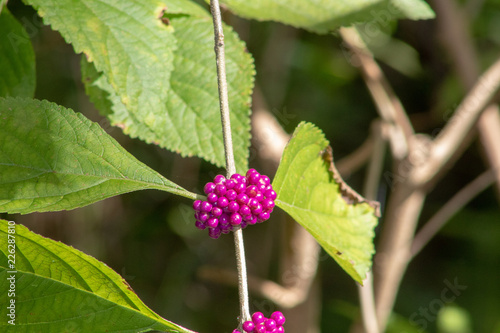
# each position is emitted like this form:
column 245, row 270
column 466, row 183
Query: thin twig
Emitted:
column 228, row 149
column 449, row 139
column 455, row 204
column 454, row 28
column 388, row 104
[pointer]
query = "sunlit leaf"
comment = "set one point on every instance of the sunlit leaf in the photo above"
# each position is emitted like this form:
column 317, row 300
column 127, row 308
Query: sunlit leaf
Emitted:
column 52, row 158
column 156, row 63
column 312, row 192
column 60, row 289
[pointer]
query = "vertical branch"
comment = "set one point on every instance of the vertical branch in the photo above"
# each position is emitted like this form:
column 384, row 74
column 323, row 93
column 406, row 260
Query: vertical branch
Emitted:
column 228, row 149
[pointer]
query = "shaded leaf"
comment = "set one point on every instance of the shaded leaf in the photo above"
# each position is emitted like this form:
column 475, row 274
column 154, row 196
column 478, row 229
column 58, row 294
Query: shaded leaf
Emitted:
column 52, row 158
column 312, row 192
column 323, row 16
column 17, row 63
column 60, row 289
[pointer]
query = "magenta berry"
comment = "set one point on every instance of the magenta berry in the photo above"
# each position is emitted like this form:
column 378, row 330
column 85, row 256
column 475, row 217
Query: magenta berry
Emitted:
column 220, row 190
column 260, row 328
column 197, row 205
column 267, row 204
column 200, row 225
column 235, row 203
column 203, row 217
column 270, row 324
column 214, row 233
column 206, row 206
column 261, row 324
column 270, row 194
column 219, row 179
column 231, row 195
column 222, row 202
column 209, row 188
column 278, row 317
column 233, row 207
column 212, row 198
column 216, row 212
column 258, row 317
column 248, row 326
column 235, row 219
column 213, row 222
column 240, row 188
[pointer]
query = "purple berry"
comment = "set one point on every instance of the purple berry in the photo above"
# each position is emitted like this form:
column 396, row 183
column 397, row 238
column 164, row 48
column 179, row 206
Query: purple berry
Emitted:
column 214, row 233
column 231, row 195
column 248, row 326
column 258, row 317
column 213, row 222
column 219, row 179
column 235, row 219
column 245, row 210
column 260, row 328
column 253, row 203
column 259, row 197
column 238, row 178
column 253, row 221
column 230, row 184
column 278, row 317
column 200, row 225
column 251, row 191
column 236, row 331
column 257, row 210
column 265, row 180
column 233, row 207
column 243, row 224
column 216, row 212
column 220, row 190
column 225, row 228
column 240, row 188
column 262, row 188
column 206, row 206
column 250, row 171
column 203, row 217
column 209, row 188
column 222, row 202
column 242, row 198
column 224, row 219
column 263, row 217
column 212, row 198
column 197, row 205
column 253, row 178
column 248, row 217
column 268, row 204
column 270, row 194
column 279, row 329
column 270, row 324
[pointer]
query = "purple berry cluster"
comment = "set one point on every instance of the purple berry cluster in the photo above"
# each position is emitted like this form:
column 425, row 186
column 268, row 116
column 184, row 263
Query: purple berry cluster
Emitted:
column 261, row 324
column 235, row 202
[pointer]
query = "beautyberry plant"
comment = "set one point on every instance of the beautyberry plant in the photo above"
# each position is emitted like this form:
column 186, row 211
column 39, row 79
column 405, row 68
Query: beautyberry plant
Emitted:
column 234, row 203
column 261, row 324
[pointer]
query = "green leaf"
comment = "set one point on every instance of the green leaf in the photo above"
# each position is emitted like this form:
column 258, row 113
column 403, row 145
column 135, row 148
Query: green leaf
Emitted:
column 159, row 78
column 60, row 289
column 52, row 158
column 323, row 16
column 311, row 191
column 192, row 119
column 17, row 61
